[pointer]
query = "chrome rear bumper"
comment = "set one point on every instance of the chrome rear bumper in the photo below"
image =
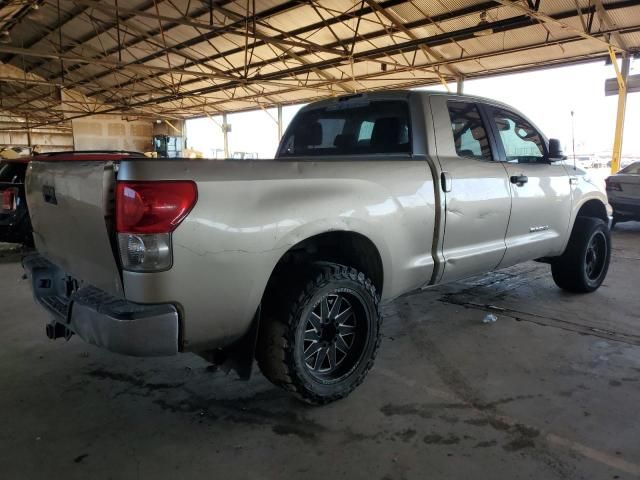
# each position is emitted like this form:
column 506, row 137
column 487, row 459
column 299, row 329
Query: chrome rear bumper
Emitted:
column 100, row 318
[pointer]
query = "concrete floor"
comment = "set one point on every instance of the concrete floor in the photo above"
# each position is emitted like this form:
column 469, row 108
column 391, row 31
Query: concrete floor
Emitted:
column 551, row 390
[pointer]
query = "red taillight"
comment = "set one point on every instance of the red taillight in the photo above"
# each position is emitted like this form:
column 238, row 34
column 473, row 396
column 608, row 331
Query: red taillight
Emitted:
column 9, row 198
column 613, row 186
column 153, row 207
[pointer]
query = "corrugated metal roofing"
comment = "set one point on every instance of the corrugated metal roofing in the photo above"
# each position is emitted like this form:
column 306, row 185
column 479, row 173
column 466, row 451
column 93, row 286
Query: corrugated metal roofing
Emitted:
column 183, row 59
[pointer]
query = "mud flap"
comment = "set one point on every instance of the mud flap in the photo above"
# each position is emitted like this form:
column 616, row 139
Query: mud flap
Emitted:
column 240, row 355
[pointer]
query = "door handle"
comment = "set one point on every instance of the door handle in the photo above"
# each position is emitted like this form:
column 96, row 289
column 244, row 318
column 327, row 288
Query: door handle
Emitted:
column 519, row 180
column 445, row 181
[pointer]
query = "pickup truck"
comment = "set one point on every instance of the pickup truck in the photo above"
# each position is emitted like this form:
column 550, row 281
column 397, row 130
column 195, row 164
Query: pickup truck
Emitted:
column 286, row 261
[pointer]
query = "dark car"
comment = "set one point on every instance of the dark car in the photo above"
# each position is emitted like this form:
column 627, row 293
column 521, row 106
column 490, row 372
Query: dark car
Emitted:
column 15, row 225
column 623, row 190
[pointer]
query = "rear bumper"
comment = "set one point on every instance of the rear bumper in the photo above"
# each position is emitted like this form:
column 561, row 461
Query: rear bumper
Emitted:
column 626, row 209
column 102, row 319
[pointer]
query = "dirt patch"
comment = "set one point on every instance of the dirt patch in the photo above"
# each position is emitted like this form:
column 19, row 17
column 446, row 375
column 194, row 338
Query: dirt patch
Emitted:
column 518, row 444
column 131, row 380
column 407, row 435
column 486, row 444
column 437, row 439
column 411, row 409
column 296, row 430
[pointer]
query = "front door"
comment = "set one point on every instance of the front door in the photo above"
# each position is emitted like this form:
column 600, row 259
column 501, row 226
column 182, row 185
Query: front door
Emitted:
column 476, row 189
column 540, row 191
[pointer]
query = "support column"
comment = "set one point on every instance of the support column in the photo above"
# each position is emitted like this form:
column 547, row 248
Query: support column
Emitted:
column 460, row 85
column 28, row 134
column 225, row 133
column 622, row 75
column 280, row 132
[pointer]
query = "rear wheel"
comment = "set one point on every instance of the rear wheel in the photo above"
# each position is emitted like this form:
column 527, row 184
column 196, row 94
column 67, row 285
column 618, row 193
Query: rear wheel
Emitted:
column 583, row 266
column 321, row 339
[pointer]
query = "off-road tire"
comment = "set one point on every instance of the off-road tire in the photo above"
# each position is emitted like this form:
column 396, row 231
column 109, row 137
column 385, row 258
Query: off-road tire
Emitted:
column 297, row 293
column 571, row 271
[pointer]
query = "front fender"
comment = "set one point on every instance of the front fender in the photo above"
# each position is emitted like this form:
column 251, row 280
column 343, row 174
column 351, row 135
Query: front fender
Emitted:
column 585, row 191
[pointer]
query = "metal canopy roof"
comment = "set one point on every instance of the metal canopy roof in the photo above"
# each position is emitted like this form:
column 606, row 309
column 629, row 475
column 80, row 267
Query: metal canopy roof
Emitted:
column 177, row 59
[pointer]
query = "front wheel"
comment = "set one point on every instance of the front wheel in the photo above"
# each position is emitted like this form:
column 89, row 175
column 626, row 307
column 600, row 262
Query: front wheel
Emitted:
column 322, row 340
column 583, row 266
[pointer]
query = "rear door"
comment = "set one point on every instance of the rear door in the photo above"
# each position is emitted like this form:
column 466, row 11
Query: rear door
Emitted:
column 540, row 191
column 476, row 189
column 70, row 203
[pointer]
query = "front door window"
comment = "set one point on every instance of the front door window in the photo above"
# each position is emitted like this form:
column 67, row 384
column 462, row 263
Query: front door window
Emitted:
column 522, row 142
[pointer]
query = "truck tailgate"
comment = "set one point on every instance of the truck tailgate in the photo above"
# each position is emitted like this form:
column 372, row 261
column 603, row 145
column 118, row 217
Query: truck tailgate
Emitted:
column 70, row 204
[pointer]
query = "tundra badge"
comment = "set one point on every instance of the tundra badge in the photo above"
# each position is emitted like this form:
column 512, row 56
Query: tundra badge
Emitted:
column 539, row 228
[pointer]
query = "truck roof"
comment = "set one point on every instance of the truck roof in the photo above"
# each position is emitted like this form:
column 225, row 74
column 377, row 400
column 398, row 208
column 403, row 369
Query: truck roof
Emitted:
column 81, row 156
column 396, row 95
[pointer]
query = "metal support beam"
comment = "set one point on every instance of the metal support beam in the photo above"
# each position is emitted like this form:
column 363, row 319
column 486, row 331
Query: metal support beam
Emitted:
column 544, row 18
column 399, row 24
column 437, row 40
column 225, row 133
column 460, row 85
column 504, row 25
column 265, row 37
column 28, row 133
column 111, row 64
column 608, row 22
column 280, row 132
column 173, row 127
column 29, row 81
column 622, row 75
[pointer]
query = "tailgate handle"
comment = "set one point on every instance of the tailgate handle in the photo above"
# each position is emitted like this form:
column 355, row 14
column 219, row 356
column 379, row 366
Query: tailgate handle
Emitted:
column 49, row 194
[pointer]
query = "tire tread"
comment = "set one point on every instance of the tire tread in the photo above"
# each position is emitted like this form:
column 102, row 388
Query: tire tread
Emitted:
column 275, row 349
column 567, row 269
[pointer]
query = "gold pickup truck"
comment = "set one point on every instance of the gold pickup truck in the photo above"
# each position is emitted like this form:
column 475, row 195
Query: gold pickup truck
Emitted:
column 287, row 260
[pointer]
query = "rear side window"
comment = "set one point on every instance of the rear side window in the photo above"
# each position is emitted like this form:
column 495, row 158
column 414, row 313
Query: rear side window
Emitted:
column 469, row 134
column 522, row 142
column 350, row 129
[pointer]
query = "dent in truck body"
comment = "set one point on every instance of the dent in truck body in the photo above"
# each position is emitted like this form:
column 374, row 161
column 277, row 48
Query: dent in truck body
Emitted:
column 392, row 205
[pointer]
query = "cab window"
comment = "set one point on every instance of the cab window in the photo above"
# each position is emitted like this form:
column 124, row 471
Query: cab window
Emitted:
column 469, row 134
column 356, row 128
column 521, row 141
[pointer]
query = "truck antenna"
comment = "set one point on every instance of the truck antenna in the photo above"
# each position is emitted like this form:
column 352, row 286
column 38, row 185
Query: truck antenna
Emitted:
column 573, row 139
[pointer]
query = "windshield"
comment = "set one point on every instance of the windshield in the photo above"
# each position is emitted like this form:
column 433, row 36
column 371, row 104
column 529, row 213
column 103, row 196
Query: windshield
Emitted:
column 350, row 129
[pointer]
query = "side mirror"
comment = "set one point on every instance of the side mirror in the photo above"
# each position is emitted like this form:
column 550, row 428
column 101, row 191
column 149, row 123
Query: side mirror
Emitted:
column 555, row 150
